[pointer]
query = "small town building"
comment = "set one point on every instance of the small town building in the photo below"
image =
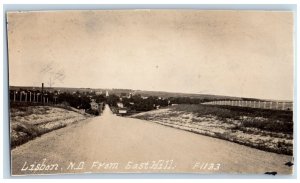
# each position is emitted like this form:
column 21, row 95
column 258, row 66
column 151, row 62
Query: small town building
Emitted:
column 120, row 105
column 122, row 111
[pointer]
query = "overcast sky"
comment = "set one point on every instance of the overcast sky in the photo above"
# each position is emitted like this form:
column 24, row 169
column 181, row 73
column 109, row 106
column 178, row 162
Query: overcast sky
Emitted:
column 246, row 54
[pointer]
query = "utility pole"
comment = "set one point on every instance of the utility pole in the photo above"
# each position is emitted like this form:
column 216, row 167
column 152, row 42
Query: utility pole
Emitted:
column 14, row 96
column 42, row 93
column 55, row 97
column 20, row 96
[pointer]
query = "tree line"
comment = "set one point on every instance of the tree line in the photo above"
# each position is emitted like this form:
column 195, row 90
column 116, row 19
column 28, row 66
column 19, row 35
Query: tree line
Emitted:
column 137, row 103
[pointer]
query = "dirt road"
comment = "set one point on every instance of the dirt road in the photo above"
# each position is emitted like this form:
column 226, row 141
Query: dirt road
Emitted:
column 111, row 143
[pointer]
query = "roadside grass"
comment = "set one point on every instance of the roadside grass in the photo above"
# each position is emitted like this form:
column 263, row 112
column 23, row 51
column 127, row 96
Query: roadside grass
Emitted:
column 263, row 119
column 23, row 132
column 264, row 129
column 268, row 125
column 26, row 111
column 29, row 122
column 282, row 147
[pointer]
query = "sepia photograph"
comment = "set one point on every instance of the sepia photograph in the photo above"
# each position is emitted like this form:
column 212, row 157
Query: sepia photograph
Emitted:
column 151, row 91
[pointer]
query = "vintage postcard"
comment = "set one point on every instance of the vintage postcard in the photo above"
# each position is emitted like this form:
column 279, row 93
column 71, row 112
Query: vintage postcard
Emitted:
column 151, row 91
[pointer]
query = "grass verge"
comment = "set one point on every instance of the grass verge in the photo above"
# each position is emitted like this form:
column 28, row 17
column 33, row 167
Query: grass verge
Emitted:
column 268, row 130
column 29, row 122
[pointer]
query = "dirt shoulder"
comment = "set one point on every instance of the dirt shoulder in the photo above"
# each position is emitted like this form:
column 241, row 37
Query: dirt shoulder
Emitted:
column 28, row 122
column 267, row 130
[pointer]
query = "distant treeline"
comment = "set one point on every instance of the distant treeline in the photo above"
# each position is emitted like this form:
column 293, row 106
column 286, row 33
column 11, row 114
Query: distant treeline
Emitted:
column 78, row 100
column 138, row 103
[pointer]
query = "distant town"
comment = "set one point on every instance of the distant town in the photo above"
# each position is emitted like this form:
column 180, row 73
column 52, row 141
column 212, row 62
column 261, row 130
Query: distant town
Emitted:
column 127, row 101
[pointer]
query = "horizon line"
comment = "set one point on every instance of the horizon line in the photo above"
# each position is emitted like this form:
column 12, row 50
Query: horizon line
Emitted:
column 104, row 88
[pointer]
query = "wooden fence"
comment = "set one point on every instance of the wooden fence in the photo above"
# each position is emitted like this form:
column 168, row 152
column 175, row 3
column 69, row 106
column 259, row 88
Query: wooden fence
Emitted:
column 254, row 104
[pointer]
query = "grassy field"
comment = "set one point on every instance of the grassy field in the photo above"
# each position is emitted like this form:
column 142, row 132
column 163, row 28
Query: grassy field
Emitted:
column 28, row 122
column 274, row 121
column 268, row 130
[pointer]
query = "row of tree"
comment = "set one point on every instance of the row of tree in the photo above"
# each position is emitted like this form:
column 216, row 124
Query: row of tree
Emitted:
column 78, row 100
column 138, row 103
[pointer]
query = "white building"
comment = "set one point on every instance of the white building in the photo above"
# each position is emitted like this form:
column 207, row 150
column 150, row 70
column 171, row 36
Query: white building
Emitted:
column 120, row 105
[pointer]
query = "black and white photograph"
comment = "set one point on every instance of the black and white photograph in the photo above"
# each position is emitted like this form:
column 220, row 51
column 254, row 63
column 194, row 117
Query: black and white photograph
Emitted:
column 151, row 91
